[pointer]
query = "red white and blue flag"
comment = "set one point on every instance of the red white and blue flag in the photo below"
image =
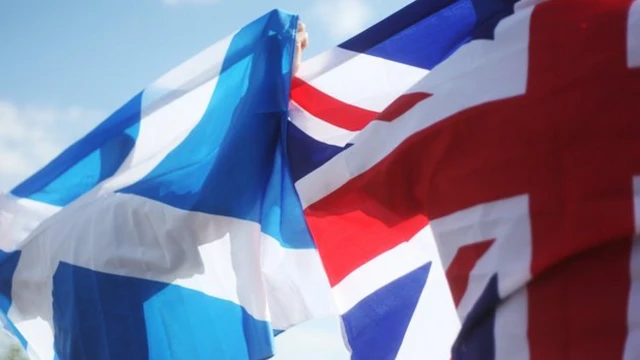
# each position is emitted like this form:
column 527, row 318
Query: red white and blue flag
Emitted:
column 509, row 131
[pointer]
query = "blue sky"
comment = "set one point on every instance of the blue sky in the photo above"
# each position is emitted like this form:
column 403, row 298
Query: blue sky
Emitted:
column 65, row 65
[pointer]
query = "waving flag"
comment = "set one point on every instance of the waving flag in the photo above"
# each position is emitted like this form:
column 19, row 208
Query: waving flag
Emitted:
column 383, row 265
column 491, row 143
column 510, row 132
column 173, row 229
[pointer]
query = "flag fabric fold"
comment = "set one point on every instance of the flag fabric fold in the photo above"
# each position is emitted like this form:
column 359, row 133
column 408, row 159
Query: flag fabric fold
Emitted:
column 508, row 132
column 172, row 230
column 371, row 237
column 460, row 181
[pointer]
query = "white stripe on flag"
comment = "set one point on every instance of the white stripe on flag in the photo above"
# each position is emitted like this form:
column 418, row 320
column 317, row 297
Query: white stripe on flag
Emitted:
column 381, row 271
column 632, row 346
column 458, row 83
column 318, row 128
column 171, row 107
column 19, row 217
column 434, row 324
column 223, row 257
column 161, row 130
column 373, row 82
column 633, row 36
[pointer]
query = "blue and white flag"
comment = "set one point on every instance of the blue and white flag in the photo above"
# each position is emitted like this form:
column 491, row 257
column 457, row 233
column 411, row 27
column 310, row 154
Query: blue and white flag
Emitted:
column 173, row 229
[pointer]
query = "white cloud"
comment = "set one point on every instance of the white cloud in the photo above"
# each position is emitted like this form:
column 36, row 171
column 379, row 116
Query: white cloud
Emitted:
column 343, row 18
column 31, row 136
column 193, row 2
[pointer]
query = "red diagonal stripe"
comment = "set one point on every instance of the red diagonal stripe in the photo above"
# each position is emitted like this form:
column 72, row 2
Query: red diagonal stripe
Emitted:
column 351, row 229
column 570, row 143
column 401, row 105
column 463, row 263
column 328, row 108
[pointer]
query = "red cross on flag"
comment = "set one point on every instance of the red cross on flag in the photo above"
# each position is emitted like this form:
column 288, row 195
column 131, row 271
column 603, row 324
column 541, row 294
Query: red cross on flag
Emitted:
column 521, row 153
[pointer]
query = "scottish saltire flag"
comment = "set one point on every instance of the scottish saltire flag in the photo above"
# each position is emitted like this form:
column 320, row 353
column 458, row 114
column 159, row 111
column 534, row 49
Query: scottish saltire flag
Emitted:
column 514, row 138
column 173, row 229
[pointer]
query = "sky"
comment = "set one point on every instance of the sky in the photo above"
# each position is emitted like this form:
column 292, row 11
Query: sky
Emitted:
column 65, row 65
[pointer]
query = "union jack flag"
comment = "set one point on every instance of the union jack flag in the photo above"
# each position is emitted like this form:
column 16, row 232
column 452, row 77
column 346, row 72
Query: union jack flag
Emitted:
column 511, row 132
